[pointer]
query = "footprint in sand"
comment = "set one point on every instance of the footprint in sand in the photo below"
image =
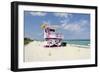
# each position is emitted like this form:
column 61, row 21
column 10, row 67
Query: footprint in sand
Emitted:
column 49, row 53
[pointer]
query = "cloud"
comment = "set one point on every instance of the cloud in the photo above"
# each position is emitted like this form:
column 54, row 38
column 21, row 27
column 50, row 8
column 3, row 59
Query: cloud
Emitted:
column 38, row 13
column 66, row 24
column 71, row 27
column 65, row 21
column 84, row 22
column 63, row 15
column 78, row 26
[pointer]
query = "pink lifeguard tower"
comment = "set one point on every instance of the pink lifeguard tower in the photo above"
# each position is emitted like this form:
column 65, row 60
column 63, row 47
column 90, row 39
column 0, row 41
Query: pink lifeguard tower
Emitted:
column 52, row 38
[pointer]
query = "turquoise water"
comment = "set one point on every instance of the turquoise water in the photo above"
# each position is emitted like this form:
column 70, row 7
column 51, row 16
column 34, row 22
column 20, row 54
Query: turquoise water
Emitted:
column 78, row 42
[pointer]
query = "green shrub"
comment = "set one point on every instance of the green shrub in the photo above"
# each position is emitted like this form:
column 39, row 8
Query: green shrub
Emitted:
column 27, row 41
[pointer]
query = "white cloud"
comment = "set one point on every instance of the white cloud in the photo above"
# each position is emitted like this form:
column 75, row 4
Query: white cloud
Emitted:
column 77, row 26
column 71, row 27
column 83, row 22
column 65, row 21
column 56, row 26
column 38, row 13
column 63, row 15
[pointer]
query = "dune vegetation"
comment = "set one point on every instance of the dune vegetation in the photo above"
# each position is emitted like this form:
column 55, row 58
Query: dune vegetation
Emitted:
column 27, row 41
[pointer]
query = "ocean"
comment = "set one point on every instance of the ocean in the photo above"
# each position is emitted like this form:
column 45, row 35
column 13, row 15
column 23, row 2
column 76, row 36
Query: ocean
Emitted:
column 79, row 43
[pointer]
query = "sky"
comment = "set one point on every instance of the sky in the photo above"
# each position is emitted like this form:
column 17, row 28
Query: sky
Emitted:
column 70, row 25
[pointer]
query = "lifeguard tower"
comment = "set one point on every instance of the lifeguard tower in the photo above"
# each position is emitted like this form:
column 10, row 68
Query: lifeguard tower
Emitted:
column 52, row 38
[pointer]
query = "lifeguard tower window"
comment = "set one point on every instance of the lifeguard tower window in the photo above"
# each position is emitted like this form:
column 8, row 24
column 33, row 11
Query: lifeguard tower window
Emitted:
column 49, row 30
column 53, row 30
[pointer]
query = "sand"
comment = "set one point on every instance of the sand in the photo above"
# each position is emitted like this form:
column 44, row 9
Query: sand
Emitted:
column 35, row 51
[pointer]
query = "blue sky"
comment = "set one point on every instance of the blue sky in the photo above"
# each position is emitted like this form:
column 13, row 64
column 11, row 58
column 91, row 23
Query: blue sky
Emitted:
column 71, row 25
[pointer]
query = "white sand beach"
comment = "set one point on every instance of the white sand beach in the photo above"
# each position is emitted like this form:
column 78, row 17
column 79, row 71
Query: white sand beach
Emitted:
column 35, row 51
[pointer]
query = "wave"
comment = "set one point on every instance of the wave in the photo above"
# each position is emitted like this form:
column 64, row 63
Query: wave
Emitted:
column 81, row 46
